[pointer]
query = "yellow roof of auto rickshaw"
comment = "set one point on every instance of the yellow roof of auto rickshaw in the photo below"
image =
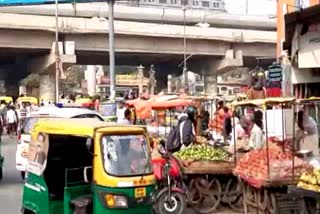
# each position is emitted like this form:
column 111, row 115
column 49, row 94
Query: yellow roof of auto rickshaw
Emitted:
column 82, row 127
column 309, row 100
column 83, row 100
column 28, row 99
column 261, row 102
column 6, row 98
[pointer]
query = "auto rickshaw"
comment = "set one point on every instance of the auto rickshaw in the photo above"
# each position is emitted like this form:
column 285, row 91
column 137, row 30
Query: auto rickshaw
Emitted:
column 108, row 110
column 31, row 100
column 85, row 166
column 85, row 102
column 6, row 99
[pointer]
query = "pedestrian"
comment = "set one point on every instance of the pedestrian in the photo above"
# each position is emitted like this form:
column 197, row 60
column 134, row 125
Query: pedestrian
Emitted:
column 120, row 111
column 97, row 103
column 22, row 113
column 127, row 117
column 11, row 120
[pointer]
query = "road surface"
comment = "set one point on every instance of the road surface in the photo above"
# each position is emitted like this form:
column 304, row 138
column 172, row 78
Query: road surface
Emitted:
column 11, row 185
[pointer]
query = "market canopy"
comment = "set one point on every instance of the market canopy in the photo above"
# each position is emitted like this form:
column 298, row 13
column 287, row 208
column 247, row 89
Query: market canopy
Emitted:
column 175, row 103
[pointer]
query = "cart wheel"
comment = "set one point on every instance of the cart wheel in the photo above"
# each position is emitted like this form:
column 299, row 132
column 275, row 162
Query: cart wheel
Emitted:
column 250, row 197
column 244, row 193
column 210, row 195
column 272, row 206
column 233, row 195
column 263, row 200
column 193, row 195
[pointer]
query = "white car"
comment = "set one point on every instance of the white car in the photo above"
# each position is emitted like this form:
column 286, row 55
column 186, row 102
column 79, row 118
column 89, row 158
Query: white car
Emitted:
column 24, row 137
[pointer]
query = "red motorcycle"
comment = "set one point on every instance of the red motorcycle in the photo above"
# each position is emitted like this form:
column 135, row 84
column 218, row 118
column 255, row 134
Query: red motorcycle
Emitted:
column 169, row 193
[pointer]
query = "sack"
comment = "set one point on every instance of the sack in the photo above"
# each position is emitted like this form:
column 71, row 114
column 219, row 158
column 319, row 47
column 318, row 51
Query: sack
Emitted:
column 174, row 139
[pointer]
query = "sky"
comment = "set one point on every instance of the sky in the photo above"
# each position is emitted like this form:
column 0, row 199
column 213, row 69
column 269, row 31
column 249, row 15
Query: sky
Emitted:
column 255, row 7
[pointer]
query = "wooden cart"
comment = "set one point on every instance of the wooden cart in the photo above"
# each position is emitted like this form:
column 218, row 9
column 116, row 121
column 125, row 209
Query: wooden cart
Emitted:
column 211, row 184
column 269, row 195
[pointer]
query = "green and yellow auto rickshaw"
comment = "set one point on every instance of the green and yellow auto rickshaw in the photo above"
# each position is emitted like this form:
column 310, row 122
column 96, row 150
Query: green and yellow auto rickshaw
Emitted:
column 108, row 110
column 87, row 166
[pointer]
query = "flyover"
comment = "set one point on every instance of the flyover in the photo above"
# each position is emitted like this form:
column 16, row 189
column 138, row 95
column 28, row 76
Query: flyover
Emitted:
column 212, row 49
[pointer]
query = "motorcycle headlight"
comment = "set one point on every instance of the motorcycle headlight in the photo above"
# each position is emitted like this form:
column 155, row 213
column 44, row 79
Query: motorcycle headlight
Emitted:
column 116, row 201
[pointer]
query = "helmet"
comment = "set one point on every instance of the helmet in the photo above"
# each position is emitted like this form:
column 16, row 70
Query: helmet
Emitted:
column 191, row 111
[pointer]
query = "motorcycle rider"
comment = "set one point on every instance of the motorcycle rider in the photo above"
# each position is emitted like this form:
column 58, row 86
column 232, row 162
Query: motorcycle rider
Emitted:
column 187, row 126
column 184, row 133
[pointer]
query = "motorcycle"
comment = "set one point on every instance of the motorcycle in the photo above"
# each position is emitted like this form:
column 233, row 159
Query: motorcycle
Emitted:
column 169, row 195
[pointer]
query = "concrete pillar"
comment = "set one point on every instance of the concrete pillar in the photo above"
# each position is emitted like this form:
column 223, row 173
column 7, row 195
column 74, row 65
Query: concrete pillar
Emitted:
column 140, row 79
column 169, row 83
column 211, row 82
column 90, row 76
column 152, row 78
column 22, row 90
column 47, row 90
column 219, row 66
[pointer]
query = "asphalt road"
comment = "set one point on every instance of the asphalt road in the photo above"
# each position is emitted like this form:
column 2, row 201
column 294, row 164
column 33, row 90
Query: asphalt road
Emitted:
column 12, row 184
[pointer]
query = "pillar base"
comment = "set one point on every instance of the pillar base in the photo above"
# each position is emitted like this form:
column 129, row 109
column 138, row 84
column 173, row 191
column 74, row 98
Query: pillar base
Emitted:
column 47, row 89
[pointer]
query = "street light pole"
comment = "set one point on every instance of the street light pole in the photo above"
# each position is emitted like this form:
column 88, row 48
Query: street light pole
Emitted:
column 111, row 51
column 57, row 54
column 185, row 70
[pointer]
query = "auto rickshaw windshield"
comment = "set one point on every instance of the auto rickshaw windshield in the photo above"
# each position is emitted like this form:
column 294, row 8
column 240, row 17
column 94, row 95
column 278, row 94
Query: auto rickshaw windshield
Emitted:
column 126, row 155
column 108, row 109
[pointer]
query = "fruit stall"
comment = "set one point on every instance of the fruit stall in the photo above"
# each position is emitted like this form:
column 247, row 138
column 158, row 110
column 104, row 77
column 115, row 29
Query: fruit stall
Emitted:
column 266, row 173
column 208, row 177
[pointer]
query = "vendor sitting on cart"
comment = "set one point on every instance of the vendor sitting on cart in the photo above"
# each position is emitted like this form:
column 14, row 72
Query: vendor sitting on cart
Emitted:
column 307, row 133
column 256, row 139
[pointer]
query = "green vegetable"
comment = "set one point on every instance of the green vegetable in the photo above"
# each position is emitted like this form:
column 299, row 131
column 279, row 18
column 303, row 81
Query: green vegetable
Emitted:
column 202, row 152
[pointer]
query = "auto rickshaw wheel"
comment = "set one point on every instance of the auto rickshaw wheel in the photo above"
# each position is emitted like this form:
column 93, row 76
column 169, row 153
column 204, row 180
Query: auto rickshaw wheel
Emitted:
column 1, row 173
column 23, row 175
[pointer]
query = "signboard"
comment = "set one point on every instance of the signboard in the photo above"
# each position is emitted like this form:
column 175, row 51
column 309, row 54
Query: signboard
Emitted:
column 37, row 2
column 309, row 51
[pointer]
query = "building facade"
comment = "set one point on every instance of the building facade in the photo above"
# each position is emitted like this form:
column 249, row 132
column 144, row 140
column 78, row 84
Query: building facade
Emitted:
column 301, row 48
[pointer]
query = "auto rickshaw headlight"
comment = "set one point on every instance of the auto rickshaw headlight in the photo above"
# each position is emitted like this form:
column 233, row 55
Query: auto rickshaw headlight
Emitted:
column 116, row 201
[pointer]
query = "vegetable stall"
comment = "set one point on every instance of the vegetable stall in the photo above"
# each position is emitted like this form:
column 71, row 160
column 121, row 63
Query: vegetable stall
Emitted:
column 267, row 172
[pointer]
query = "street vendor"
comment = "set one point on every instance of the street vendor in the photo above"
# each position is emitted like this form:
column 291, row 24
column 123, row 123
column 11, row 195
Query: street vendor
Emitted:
column 256, row 139
column 217, row 124
column 307, row 133
column 257, row 86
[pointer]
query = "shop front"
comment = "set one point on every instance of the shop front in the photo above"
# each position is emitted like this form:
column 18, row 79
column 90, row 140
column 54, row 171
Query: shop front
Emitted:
column 303, row 45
